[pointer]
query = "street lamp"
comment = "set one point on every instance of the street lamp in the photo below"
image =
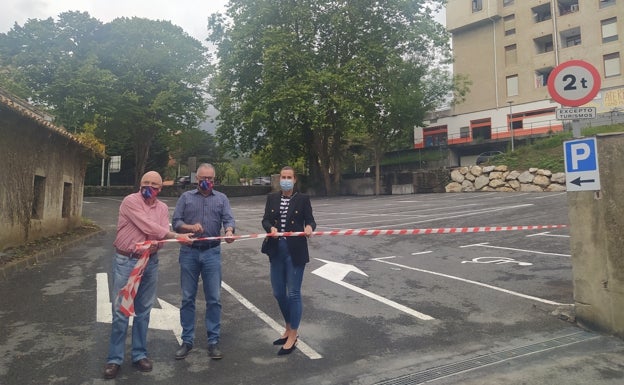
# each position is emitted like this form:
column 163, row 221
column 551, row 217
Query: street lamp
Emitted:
column 511, row 125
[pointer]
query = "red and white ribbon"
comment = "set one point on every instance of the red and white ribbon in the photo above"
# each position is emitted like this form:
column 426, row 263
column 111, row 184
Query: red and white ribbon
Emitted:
column 374, row 232
column 129, row 291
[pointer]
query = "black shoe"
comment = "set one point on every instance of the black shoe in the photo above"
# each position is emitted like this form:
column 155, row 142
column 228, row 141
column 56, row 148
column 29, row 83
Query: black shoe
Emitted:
column 214, row 352
column 283, row 351
column 184, row 350
column 280, row 341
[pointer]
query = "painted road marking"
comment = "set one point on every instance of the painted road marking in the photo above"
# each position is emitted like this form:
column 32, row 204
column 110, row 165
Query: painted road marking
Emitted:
column 548, row 234
column 497, row 261
column 486, row 244
column 168, row 318
column 530, row 297
column 336, row 272
column 302, row 346
column 165, row 318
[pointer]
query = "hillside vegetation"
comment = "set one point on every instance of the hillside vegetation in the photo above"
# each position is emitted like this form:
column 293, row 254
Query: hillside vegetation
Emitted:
column 546, row 153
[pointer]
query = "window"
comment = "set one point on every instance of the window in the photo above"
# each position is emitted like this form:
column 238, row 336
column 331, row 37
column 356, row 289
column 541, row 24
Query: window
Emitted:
column 507, row 3
column 605, row 3
column 541, row 77
column 509, row 24
column 543, row 44
column 609, row 30
column 38, row 197
column 477, row 5
column 571, row 37
column 67, row 193
column 464, row 132
column 511, row 55
column 612, row 65
column 541, row 13
column 481, row 128
column 512, row 85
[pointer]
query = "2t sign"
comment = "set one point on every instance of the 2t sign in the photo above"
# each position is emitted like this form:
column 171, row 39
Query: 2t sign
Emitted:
column 581, row 165
column 574, row 83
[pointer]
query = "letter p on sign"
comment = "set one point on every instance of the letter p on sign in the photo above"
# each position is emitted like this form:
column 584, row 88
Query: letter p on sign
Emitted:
column 580, row 152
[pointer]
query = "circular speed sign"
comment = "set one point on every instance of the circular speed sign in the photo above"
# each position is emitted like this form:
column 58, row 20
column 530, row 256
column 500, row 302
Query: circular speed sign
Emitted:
column 574, row 83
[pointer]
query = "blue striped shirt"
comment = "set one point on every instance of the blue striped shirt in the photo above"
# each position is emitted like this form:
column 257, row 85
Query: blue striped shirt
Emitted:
column 212, row 211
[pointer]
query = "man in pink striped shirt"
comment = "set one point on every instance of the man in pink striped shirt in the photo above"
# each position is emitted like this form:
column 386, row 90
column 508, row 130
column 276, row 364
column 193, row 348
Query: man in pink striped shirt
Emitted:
column 142, row 217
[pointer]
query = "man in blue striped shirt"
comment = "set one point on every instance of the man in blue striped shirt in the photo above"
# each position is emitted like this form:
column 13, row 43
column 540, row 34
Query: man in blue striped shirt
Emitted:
column 202, row 211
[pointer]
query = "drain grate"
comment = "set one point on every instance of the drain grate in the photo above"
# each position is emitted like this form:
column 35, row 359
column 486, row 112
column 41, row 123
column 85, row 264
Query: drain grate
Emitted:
column 487, row 359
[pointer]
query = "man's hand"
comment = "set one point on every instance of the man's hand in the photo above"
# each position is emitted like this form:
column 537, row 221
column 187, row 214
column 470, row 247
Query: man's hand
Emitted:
column 308, row 231
column 185, row 238
column 196, row 228
column 273, row 232
column 228, row 235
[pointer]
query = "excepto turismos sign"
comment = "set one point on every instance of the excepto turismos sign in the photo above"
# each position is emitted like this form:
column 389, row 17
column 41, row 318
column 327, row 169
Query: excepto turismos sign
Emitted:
column 576, row 113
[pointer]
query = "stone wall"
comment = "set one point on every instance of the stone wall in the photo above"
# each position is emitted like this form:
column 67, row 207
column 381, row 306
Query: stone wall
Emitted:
column 499, row 178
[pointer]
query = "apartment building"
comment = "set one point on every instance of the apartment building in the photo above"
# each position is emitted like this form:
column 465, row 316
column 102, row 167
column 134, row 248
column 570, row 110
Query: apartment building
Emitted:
column 507, row 49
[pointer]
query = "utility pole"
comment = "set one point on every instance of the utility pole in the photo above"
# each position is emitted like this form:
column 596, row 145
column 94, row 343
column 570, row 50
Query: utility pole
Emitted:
column 511, row 125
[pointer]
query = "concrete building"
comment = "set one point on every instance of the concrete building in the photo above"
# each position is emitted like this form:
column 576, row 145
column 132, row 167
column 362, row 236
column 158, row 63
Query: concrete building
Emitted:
column 507, row 49
column 42, row 174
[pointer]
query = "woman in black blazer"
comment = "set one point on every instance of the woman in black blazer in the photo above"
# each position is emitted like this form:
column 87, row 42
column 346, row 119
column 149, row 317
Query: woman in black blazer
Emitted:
column 288, row 210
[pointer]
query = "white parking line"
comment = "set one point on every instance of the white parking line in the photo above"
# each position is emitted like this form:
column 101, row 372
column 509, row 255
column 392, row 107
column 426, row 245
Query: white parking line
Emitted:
column 302, row 346
column 546, row 301
column 486, row 244
column 449, row 215
column 548, row 234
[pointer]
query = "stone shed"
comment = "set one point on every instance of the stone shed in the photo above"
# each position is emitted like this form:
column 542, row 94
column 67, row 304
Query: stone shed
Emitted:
column 42, row 169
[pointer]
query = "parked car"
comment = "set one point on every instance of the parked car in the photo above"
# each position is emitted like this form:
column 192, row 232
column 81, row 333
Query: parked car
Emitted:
column 184, row 180
column 262, row 181
column 486, row 156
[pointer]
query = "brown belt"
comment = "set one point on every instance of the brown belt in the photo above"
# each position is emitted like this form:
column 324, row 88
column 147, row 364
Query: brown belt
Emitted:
column 130, row 254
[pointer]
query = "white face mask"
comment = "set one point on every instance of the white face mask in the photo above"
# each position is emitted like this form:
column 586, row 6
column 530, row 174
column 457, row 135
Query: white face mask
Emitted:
column 286, row 184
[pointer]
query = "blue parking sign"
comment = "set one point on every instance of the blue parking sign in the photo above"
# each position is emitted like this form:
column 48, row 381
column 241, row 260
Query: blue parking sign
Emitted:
column 581, row 164
column 581, row 155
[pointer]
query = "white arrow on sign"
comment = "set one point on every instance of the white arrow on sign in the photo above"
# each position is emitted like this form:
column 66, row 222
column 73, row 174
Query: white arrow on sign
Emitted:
column 165, row 318
column 336, row 272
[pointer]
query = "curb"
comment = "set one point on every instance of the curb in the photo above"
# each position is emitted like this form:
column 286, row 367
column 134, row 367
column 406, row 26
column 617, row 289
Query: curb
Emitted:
column 13, row 267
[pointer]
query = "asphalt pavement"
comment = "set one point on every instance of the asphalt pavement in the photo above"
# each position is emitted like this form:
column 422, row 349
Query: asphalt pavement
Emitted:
column 483, row 308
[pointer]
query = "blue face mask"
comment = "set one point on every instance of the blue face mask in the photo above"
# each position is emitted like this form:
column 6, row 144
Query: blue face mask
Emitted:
column 286, row 184
column 148, row 192
column 206, row 185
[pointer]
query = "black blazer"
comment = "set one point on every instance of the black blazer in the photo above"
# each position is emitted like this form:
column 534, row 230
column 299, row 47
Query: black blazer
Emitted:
column 299, row 215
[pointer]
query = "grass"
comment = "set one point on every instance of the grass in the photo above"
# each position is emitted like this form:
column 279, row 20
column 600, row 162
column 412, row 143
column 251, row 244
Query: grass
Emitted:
column 547, row 153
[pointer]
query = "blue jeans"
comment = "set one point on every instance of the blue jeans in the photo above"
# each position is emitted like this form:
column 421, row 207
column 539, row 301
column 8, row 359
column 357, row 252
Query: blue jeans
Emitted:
column 143, row 302
column 207, row 263
column 286, row 280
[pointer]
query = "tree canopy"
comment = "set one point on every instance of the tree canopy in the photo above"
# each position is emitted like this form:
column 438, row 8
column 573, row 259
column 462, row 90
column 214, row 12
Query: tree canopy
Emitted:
column 303, row 79
column 133, row 82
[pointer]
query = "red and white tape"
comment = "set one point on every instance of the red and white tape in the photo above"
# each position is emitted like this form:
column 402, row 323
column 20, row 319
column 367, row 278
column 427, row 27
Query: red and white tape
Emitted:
column 374, row 232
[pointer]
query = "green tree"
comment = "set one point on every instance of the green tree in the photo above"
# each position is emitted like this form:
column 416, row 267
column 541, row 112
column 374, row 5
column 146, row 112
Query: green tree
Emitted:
column 299, row 79
column 144, row 79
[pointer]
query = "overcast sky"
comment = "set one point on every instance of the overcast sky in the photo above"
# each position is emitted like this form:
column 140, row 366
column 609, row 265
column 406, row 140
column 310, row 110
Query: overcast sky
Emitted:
column 191, row 15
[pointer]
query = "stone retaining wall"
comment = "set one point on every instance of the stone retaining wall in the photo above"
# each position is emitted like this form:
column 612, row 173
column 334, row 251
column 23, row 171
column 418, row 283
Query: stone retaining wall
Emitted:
column 499, row 178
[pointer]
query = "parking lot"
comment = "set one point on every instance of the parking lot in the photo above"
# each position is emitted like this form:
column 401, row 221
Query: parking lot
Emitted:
column 480, row 307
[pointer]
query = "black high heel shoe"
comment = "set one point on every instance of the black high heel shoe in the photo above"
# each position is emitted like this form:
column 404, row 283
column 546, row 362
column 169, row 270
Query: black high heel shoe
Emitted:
column 283, row 351
column 280, row 341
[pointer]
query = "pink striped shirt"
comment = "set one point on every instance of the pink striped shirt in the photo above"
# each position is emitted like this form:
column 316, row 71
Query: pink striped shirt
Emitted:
column 139, row 221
